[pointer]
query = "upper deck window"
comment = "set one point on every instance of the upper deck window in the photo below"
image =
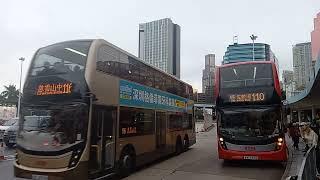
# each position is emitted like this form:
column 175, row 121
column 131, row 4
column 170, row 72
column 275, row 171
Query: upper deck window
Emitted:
column 57, row 72
column 246, row 75
column 112, row 61
column 60, row 58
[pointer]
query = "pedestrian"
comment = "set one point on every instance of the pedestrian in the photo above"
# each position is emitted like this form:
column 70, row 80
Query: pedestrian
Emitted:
column 316, row 127
column 294, row 133
column 309, row 136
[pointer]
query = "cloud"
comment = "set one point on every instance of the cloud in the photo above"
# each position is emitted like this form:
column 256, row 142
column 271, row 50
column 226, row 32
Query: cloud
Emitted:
column 206, row 27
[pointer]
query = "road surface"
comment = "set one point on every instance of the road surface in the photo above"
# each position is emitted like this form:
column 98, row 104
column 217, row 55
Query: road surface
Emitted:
column 199, row 163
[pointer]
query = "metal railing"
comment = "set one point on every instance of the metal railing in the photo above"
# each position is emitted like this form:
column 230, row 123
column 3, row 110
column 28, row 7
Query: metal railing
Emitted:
column 308, row 169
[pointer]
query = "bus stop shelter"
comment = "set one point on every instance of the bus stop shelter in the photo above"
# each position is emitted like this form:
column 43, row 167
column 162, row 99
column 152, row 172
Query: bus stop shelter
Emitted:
column 306, row 103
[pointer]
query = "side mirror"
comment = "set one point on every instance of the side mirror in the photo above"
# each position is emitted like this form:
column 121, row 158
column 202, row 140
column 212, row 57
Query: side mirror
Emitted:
column 91, row 95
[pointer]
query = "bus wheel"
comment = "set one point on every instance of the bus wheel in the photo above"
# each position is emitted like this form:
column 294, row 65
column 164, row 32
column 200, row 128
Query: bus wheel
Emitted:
column 186, row 143
column 179, row 147
column 127, row 162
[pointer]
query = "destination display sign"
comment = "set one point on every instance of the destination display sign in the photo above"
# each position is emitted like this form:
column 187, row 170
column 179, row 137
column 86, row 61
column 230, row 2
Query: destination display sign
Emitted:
column 54, row 89
column 247, row 97
column 133, row 94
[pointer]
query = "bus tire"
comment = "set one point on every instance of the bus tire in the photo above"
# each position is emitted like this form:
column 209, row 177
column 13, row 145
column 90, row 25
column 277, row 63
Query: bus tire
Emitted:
column 179, row 146
column 127, row 162
column 186, row 143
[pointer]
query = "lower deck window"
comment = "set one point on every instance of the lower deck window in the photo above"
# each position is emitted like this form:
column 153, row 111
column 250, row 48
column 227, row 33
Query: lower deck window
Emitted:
column 134, row 121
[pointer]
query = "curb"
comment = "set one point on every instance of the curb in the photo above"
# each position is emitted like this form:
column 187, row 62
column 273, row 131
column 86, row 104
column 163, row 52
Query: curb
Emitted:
column 288, row 165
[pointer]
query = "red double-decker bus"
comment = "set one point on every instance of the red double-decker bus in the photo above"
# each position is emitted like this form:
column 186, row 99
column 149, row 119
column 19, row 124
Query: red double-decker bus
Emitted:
column 248, row 108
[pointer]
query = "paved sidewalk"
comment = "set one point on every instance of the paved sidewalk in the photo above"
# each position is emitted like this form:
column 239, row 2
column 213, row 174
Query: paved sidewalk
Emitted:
column 295, row 158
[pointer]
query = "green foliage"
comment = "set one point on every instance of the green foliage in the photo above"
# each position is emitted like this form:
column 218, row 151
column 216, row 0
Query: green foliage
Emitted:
column 10, row 96
column 199, row 113
column 2, row 100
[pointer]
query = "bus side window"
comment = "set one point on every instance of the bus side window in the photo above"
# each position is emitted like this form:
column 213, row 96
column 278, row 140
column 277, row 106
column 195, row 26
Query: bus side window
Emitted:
column 134, row 121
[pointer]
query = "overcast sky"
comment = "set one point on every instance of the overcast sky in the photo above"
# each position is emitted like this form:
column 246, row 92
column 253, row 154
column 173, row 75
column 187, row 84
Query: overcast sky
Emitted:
column 207, row 26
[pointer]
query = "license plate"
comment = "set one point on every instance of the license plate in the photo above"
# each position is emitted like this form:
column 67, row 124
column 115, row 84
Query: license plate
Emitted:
column 12, row 141
column 250, row 157
column 39, row 177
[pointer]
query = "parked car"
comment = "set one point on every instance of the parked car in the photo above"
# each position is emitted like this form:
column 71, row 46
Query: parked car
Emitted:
column 10, row 135
column 7, row 125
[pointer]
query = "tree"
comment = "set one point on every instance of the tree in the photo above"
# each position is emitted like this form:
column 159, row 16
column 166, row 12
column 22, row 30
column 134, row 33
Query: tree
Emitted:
column 2, row 100
column 10, row 95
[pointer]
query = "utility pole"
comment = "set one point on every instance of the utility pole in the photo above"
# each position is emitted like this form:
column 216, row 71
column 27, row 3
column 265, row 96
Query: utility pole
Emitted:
column 253, row 38
column 19, row 102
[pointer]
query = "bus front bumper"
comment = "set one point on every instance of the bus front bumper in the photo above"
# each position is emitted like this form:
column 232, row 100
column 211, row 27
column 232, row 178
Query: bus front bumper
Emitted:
column 277, row 155
column 79, row 172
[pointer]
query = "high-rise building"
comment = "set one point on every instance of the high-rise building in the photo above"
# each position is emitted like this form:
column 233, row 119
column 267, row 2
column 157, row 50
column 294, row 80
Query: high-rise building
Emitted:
column 199, row 98
column 287, row 76
column 159, row 45
column 315, row 39
column 287, row 80
column 244, row 52
column 208, row 78
column 208, row 72
column 290, row 90
column 301, row 65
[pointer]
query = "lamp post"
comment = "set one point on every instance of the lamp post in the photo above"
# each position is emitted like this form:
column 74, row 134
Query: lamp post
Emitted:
column 19, row 102
column 253, row 38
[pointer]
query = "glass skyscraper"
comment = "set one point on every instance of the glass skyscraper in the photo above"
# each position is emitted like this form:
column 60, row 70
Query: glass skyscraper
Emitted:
column 243, row 52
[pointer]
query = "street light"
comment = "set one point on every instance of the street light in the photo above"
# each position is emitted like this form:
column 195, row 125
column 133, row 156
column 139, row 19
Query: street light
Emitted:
column 19, row 102
column 253, row 37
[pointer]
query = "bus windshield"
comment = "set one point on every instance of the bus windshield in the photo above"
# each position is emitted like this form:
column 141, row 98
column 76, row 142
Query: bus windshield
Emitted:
column 52, row 128
column 250, row 122
column 57, row 72
column 246, row 75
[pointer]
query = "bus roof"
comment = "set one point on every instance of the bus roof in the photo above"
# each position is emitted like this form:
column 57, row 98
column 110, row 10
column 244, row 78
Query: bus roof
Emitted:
column 246, row 62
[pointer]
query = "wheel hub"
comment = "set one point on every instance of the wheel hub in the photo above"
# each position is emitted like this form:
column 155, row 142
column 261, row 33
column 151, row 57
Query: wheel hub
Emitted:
column 127, row 161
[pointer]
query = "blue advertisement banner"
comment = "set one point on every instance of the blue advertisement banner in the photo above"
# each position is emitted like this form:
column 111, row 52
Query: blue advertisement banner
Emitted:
column 136, row 95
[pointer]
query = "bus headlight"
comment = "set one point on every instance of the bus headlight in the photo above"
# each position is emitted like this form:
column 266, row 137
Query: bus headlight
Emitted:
column 279, row 143
column 75, row 158
column 222, row 143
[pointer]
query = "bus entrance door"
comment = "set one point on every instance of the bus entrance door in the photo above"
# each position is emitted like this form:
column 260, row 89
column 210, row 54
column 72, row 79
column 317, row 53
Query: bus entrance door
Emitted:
column 102, row 138
column 161, row 129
